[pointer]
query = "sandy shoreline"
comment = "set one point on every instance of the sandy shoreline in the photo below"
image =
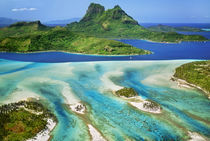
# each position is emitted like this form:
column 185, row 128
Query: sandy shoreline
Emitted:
column 195, row 136
column 45, row 134
column 139, row 103
column 185, row 84
column 69, row 53
column 78, row 108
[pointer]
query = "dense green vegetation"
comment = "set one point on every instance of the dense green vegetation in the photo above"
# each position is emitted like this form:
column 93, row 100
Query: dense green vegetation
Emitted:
column 18, row 124
column 83, row 37
column 33, row 36
column 165, row 28
column 115, row 23
column 197, row 73
column 127, row 92
column 151, row 105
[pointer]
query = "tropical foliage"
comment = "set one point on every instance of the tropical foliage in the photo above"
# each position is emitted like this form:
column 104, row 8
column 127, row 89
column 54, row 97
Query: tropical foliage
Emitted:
column 18, row 123
column 33, row 36
column 197, row 73
column 127, row 92
column 165, row 28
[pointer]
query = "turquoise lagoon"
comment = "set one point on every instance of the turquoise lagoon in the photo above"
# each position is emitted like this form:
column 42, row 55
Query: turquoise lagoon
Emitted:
column 92, row 83
column 206, row 29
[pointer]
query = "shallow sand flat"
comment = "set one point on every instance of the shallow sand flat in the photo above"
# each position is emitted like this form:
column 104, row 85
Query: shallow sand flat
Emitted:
column 22, row 94
column 96, row 136
column 161, row 76
column 89, row 83
column 108, row 84
column 66, row 91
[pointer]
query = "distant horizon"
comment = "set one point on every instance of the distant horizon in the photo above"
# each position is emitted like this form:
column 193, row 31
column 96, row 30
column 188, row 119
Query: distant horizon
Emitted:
column 163, row 11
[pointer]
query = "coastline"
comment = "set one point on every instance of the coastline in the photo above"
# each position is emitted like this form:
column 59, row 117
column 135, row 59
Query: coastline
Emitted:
column 185, row 84
column 138, row 102
column 77, row 53
column 195, row 136
column 157, row 41
column 44, row 135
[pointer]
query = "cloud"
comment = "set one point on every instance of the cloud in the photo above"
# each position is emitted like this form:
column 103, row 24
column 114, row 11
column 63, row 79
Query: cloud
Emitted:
column 23, row 9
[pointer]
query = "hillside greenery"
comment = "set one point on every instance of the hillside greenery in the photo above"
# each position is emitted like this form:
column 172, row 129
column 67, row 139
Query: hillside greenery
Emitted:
column 33, row 36
column 197, row 73
column 115, row 23
column 165, row 28
column 127, row 92
column 18, row 124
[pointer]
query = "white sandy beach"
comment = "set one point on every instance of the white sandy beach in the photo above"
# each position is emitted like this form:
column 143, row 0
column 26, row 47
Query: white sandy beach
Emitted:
column 45, row 134
column 139, row 103
column 195, row 136
column 78, row 108
column 184, row 84
column 96, row 136
column 140, row 106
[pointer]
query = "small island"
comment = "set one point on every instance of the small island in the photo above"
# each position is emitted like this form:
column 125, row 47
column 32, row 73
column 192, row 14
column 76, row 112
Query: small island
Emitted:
column 130, row 95
column 194, row 74
column 24, row 120
column 151, row 105
column 126, row 92
column 166, row 28
column 78, row 108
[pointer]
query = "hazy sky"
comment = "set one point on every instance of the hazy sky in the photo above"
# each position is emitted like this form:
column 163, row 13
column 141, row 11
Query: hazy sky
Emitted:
column 158, row 11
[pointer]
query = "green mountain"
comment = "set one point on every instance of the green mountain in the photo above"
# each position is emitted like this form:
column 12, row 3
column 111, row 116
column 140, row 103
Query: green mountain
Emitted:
column 34, row 36
column 165, row 28
column 115, row 23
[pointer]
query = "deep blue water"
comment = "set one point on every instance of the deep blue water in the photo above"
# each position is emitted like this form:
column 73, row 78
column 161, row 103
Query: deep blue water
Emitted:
column 161, row 51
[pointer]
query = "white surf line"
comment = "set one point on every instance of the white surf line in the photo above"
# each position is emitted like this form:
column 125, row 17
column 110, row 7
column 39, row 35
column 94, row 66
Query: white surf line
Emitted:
column 96, row 136
column 195, row 136
column 45, row 134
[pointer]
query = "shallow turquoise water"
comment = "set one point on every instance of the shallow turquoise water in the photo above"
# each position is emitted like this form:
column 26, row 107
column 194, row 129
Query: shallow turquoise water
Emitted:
column 183, row 109
column 206, row 29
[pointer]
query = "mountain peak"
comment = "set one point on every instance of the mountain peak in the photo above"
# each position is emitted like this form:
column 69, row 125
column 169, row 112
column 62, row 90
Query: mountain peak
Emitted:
column 117, row 7
column 117, row 13
column 93, row 10
column 96, row 12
